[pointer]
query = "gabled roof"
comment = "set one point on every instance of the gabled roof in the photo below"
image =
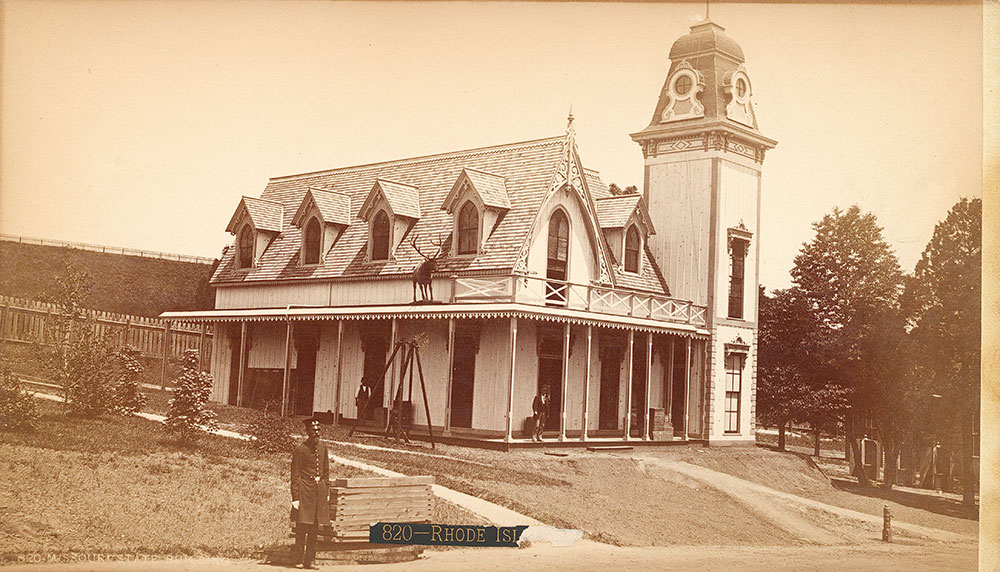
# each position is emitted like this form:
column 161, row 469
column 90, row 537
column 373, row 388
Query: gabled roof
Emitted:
column 264, row 214
column 616, row 210
column 492, row 189
column 526, row 167
column 403, row 199
column 333, row 207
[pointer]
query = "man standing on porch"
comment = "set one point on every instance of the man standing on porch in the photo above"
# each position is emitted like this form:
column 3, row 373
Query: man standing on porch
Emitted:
column 310, row 493
column 540, row 411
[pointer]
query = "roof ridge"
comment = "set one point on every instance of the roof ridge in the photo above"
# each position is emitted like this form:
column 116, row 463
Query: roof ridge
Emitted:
column 395, row 182
column 483, row 172
column 423, row 158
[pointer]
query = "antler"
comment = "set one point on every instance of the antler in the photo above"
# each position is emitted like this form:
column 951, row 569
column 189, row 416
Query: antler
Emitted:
column 439, row 243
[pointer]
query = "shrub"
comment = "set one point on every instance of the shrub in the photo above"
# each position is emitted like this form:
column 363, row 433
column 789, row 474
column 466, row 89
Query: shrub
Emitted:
column 89, row 361
column 189, row 415
column 18, row 411
column 269, row 433
column 125, row 389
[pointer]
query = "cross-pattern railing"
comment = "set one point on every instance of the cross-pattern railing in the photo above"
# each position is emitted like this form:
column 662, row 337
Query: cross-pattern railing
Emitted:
column 550, row 292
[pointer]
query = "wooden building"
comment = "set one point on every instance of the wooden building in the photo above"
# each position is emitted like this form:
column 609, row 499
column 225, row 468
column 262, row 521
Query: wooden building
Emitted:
column 638, row 311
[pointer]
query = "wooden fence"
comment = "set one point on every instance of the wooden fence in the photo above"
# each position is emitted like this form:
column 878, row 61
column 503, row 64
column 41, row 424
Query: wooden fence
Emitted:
column 33, row 322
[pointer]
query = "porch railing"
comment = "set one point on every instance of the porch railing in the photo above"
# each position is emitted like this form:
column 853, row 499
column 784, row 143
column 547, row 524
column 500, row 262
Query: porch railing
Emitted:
column 559, row 293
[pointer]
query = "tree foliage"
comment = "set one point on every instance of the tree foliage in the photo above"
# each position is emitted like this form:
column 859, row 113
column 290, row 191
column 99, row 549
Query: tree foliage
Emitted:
column 944, row 303
column 189, row 415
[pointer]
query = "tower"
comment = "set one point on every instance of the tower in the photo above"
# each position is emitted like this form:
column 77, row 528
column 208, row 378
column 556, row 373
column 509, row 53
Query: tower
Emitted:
column 703, row 158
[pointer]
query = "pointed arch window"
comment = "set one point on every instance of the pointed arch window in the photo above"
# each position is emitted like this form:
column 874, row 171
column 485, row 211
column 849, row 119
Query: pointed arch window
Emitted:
column 632, row 248
column 244, row 248
column 468, row 229
column 313, row 242
column 558, row 252
column 380, row 236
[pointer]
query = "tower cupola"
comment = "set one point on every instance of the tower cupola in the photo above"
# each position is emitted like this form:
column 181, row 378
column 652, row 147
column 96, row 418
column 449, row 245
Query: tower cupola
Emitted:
column 706, row 87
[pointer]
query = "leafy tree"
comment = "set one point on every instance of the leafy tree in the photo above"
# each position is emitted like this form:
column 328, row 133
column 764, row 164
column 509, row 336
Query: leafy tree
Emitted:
column 189, row 414
column 850, row 280
column 88, row 362
column 946, row 312
column 616, row 190
column 786, row 389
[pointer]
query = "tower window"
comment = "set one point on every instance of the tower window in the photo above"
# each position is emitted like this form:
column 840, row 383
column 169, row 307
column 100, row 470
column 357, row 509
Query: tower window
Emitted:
column 380, row 236
column 468, row 229
column 741, row 88
column 245, row 247
column 312, row 243
column 737, row 261
column 683, row 85
column 632, row 250
column 734, row 382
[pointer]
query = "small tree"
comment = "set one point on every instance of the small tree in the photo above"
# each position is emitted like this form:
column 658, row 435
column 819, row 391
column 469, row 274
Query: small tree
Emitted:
column 18, row 411
column 189, row 414
column 89, row 361
column 125, row 389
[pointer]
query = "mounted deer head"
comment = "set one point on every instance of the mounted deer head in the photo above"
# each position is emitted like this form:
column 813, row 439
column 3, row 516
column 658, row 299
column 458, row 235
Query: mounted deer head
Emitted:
column 424, row 272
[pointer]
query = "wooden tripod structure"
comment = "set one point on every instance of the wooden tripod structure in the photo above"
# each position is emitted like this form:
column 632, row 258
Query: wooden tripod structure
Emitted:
column 395, row 428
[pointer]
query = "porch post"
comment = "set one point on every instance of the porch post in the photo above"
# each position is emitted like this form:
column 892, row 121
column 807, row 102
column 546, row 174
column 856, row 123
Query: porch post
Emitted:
column 451, row 373
column 565, row 383
column 628, row 393
column 649, row 374
column 510, row 387
column 242, row 365
column 670, row 383
column 586, row 383
column 392, row 374
column 285, row 380
column 687, row 387
column 166, row 355
column 340, row 367
column 201, row 348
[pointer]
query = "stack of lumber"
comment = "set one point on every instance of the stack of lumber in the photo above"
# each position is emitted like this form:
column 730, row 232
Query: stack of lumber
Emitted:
column 358, row 502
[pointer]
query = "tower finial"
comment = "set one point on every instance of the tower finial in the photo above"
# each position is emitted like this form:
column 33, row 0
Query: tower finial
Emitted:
column 569, row 119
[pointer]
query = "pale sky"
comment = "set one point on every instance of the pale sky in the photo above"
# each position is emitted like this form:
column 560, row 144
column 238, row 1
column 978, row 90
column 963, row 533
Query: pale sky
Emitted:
column 140, row 124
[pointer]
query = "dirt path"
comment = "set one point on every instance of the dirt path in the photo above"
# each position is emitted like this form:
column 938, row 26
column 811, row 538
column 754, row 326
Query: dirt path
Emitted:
column 811, row 520
column 593, row 556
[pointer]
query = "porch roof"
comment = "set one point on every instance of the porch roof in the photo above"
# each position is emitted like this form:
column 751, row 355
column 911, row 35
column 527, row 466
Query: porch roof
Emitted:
column 440, row 311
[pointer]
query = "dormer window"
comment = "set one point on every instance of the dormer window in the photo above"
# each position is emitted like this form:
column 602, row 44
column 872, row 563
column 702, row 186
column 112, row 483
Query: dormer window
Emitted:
column 633, row 245
column 256, row 223
column 380, row 236
column 245, row 247
column 468, row 229
column 323, row 215
column 477, row 202
column 313, row 242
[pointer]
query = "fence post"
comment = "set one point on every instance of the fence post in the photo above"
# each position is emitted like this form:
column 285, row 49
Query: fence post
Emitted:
column 166, row 354
column 3, row 326
column 128, row 326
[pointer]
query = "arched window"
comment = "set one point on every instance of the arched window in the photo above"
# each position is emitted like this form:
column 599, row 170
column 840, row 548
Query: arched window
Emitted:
column 380, row 236
column 558, row 251
column 468, row 229
column 632, row 250
column 244, row 249
column 312, row 244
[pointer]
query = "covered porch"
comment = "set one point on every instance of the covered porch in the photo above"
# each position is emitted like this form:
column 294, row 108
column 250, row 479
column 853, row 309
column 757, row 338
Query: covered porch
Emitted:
column 612, row 378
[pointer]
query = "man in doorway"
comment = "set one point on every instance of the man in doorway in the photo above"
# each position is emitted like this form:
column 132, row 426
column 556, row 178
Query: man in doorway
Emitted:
column 310, row 493
column 540, row 412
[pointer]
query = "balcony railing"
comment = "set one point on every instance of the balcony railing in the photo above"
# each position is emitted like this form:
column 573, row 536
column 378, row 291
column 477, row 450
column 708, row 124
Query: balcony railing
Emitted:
column 559, row 293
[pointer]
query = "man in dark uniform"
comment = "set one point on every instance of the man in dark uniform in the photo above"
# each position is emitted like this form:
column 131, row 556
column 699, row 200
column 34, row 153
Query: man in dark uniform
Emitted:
column 310, row 492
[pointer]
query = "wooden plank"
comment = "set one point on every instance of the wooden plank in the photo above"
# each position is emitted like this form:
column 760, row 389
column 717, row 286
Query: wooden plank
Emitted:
column 354, row 511
column 384, row 491
column 384, row 517
column 611, row 448
column 387, row 503
column 359, row 482
column 381, row 499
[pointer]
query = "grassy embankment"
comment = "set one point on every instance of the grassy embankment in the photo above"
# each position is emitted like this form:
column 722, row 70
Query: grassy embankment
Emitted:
column 120, row 485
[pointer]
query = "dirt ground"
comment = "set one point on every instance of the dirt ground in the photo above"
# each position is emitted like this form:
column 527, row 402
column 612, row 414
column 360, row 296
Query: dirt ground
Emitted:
column 594, row 556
